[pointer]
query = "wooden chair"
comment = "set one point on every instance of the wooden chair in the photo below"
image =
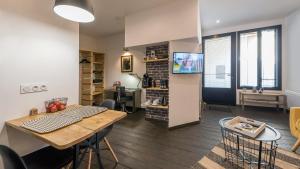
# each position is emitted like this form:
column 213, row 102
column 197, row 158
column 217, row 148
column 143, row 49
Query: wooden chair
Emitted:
column 295, row 125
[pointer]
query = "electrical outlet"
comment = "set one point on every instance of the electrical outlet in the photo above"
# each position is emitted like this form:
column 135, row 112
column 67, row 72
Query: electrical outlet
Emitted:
column 33, row 88
column 44, row 87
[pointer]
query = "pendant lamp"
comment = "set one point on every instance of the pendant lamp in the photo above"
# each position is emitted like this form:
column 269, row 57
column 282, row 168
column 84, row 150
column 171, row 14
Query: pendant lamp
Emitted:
column 75, row 10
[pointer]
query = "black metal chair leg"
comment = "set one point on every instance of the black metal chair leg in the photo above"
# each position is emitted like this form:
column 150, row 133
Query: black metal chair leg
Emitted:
column 124, row 108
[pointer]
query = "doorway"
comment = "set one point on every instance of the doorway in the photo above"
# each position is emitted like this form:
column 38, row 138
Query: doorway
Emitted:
column 219, row 76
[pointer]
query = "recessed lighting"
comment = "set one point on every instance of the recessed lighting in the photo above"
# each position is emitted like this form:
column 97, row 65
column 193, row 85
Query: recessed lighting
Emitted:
column 218, row 21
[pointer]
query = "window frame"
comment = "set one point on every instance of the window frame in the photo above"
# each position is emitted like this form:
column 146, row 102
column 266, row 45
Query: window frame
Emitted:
column 278, row 59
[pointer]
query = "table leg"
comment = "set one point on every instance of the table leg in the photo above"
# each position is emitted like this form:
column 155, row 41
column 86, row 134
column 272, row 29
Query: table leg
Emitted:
column 133, row 103
column 238, row 149
column 243, row 102
column 285, row 105
column 259, row 155
column 271, row 154
column 75, row 156
column 278, row 104
column 98, row 152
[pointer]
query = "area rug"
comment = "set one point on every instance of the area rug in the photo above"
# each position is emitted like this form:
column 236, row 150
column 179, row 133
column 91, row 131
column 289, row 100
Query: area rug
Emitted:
column 215, row 159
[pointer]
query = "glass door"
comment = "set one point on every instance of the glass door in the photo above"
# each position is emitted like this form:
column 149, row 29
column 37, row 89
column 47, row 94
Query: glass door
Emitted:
column 219, row 85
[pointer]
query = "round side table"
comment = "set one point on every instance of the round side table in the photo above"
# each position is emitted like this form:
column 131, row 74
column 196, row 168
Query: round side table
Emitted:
column 244, row 151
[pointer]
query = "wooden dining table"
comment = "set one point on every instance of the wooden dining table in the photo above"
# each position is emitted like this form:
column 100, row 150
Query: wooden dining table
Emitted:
column 74, row 134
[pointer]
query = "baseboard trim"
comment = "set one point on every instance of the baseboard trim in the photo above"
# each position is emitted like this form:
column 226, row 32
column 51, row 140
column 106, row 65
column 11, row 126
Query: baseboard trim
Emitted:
column 184, row 125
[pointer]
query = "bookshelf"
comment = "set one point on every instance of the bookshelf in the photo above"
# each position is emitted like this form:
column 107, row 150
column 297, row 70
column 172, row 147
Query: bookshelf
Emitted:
column 91, row 77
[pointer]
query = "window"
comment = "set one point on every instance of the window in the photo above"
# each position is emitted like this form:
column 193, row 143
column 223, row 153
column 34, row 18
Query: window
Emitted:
column 259, row 62
column 248, row 59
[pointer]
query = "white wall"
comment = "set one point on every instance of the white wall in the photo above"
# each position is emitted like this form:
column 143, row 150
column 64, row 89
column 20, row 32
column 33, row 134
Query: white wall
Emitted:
column 112, row 46
column 174, row 20
column 293, row 59
column 36, row 46
column 91, row 43
column 185, row 91
column 113, row 51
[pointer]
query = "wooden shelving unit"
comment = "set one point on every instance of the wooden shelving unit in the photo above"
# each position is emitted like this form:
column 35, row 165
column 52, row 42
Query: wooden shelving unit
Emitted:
column 275, row 99
column 158, row 107
column 156, row 60
column 91, row 77
column 156, row 88
column 98, row 63
column 157, row 69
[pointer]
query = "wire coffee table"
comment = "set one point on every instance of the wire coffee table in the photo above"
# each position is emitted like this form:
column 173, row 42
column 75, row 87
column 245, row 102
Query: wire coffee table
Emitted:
column 246, row 152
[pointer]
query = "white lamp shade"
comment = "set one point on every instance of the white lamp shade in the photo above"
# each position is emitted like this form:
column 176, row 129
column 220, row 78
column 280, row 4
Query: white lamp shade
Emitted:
column 75, row 10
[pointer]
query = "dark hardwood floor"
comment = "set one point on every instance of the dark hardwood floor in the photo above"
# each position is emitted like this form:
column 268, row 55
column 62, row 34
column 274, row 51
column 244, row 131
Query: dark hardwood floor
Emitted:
column 141, row 144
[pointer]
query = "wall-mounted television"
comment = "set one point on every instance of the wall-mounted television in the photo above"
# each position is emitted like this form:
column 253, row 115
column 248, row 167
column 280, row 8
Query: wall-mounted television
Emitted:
column 187, row 63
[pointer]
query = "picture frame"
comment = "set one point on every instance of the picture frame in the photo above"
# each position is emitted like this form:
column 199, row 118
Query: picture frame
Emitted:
column 127, row 63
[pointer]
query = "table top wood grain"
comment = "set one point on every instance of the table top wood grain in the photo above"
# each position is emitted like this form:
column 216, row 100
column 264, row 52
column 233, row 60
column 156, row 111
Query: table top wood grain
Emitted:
column 71, row 135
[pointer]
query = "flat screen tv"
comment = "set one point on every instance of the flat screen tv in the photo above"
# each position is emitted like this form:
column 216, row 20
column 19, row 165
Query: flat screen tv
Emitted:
column 187, row 63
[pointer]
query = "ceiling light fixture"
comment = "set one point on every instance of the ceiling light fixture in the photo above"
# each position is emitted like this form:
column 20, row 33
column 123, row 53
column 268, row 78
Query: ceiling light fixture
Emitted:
column 75, row 10
column 218, row 21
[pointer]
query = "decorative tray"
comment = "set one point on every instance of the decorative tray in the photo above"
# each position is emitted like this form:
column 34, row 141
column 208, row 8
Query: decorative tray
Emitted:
column 246, row 126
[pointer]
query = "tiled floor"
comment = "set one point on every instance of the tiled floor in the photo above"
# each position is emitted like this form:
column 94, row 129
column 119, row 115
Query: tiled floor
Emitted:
column 142, row 144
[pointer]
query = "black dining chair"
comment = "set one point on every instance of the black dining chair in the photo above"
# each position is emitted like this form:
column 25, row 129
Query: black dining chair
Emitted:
column 110, row 104
column 46, row 158
column 122, row 98
column 10, row 159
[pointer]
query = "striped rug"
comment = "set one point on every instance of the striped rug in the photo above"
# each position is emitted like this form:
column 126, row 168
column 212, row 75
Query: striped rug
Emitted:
column 215, row 160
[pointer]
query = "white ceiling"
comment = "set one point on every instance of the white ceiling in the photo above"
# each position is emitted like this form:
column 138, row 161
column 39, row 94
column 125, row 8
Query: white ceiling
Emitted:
column 110, row 14
column 238, row 12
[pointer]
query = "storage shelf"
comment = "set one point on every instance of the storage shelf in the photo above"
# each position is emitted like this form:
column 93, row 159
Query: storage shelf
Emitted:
column 97, row 72
column 91, row 92
column 262, row 101
column 157, row 60
column 97, row 93
column 158, row 107
column 87, row 100
column 99, row 63
column 156, row 88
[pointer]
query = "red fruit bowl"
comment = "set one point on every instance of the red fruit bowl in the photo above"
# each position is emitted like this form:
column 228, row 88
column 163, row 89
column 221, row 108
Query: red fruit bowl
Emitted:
column 56, row 104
